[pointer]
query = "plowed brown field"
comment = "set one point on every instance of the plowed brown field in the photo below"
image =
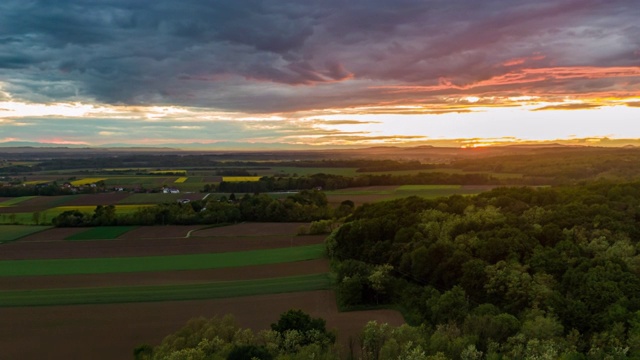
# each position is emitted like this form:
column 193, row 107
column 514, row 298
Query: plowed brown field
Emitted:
column 252, row 229
column 112, row 331
column 98, row 199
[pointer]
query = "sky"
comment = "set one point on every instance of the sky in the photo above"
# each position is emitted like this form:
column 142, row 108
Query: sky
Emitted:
column 290, row 73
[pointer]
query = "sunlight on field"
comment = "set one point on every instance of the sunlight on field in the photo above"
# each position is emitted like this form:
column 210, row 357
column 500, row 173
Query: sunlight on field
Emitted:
column 90, row 208
column 35, row 182
column 426, row 187
column 180, row 180
column 87, row 181
column 240, row 178
column 162, row 172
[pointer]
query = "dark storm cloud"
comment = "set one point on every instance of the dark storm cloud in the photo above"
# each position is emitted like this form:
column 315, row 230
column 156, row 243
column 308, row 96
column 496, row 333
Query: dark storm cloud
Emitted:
column 286, row 55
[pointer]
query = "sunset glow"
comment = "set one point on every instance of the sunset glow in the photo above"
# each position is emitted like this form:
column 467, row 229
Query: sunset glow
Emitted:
column 325, row 74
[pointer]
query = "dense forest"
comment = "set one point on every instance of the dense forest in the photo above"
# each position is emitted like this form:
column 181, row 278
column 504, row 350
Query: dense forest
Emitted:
column 513, row 273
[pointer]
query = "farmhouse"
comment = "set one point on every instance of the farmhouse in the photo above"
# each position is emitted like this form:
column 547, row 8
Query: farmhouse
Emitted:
column 171, row 191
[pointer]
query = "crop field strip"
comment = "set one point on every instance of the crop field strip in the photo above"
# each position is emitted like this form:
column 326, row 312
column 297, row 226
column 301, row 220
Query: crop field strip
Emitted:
column 15, row 232
column 240, row 178
column 159, row 263
column 27, row 218
column 101, row 233
column 180, row 180
column 15, row 201
column 87, row 181
column 215, row 290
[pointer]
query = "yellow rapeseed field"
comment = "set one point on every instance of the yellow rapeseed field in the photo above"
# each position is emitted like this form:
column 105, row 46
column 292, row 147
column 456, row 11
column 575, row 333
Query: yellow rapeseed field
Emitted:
column 86, row 181
column 180, row 180
column 240, row 178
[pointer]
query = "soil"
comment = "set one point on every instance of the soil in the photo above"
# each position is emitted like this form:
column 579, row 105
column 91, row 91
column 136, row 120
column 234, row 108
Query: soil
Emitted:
column 98, row 199
column 166, row 277
column 159, row 232
column 39, row 203
column 27, row 248
column 112, row 331
column 252, row 229
column 55, row 234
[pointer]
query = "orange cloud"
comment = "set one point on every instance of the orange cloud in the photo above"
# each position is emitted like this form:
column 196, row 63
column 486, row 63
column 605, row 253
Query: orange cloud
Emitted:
column 524, row 76
column 520, row 61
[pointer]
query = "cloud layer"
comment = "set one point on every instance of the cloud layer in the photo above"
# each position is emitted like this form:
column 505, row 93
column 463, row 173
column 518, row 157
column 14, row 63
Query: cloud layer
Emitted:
column 303, row 58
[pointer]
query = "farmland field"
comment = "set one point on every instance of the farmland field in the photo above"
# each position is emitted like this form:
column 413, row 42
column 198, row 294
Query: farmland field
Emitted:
column 180, row 180
column 268, row 271
column 382, row 193
column 112, row 295
column 86, row 181
column 45, row 216
column 170, row 171
column 152, row 278
column 158, row 198
column 240, row 178
column 116, row 329
column 158, row 263
column 101, row 232
column 15, row 201
column 14, row 232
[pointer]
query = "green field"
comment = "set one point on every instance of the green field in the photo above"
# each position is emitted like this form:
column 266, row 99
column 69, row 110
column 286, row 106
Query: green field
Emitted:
column 27, row 218
column 14, row 232
column 282, row 170
column 216, row 290
column 101, row 233
column 391, row 191
column 131, row 180
column 436, row 191
column 159, row 263
column 396, row 192
column 15, row 201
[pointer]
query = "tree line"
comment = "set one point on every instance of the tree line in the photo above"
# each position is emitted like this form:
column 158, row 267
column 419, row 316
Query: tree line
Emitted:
column 304, row 206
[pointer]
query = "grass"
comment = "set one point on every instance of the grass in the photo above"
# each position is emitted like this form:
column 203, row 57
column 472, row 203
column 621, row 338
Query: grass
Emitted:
column 15, row 232
column 87, row 181
column 215, row 290
column 15, row 201
column 180, row 180
column 101, row 233
column 159, row 263
column 240, row 178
